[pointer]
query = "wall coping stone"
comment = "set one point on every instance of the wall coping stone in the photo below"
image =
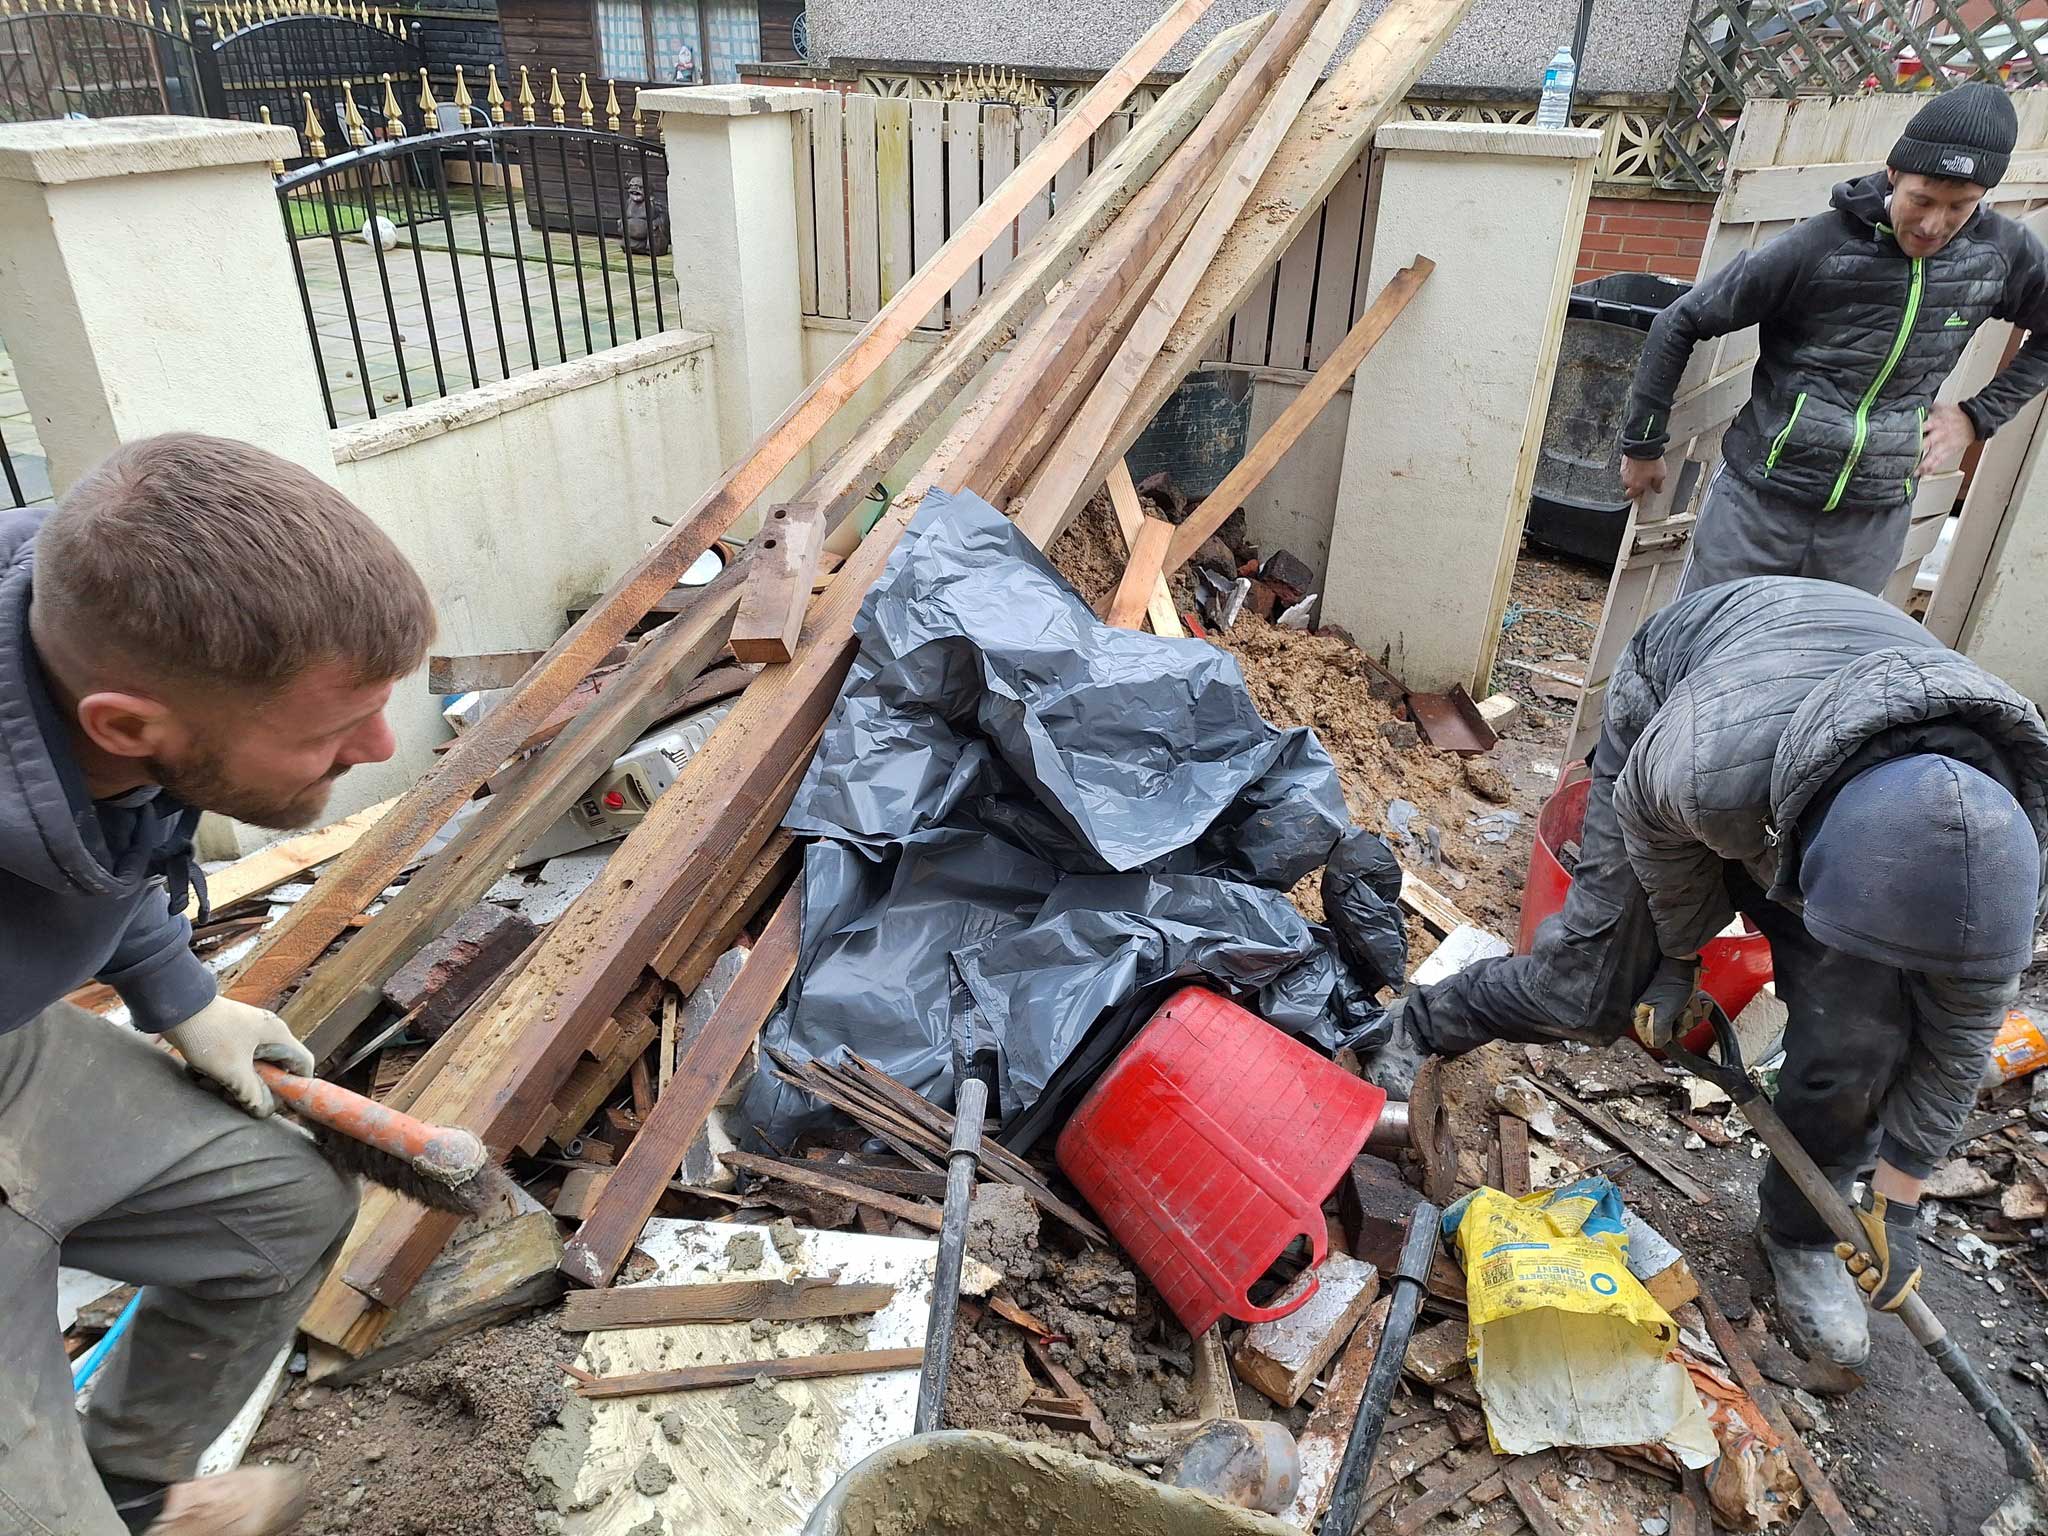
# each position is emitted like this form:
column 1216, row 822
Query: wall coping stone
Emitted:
column 60, row 151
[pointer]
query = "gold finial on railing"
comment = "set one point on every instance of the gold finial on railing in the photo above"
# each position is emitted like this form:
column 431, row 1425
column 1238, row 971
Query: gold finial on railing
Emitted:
column 430, row 109
column 164, row 18
column 611, row 105
column 463, row 103
column 394, row 115
column 525, row 96
column 585, row 107
column 354, row 129
column 184, row 26
column 637, row 133
column 494, row 94
column 277, row 165
column 316, row 138
column 556, row 100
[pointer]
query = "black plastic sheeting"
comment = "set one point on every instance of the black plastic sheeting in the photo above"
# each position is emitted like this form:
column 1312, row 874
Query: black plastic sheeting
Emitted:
column 1032, row 827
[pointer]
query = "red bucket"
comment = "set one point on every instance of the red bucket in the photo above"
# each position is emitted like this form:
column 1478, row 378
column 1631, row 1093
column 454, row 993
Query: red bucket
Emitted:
column 1734, row 969
column 1209, row 1146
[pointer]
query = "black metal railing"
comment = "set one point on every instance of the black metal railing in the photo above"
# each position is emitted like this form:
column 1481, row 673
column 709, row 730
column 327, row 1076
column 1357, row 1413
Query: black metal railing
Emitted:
column 112, row 58
column 265, row 69
column 440, row 262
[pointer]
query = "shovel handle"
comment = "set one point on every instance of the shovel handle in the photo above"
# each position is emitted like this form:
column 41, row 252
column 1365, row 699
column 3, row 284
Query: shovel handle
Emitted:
column 2022, row 1456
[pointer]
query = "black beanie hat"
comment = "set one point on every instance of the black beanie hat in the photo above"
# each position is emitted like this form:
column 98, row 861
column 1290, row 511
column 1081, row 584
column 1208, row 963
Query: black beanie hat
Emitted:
column 1966, row 134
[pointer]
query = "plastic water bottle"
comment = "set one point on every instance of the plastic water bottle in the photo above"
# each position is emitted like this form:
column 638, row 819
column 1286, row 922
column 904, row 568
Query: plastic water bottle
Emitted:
column 1560, row 77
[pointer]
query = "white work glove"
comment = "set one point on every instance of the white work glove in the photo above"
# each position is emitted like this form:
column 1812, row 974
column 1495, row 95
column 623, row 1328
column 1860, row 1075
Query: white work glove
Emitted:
column 224, row 1041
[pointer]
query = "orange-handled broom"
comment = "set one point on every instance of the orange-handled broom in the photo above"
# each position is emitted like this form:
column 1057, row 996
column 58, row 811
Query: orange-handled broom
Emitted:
column 442, row 1166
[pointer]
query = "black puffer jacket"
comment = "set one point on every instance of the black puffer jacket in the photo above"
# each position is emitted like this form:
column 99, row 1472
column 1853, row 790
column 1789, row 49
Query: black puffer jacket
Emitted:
column 1855, row 338
column 1739, row 707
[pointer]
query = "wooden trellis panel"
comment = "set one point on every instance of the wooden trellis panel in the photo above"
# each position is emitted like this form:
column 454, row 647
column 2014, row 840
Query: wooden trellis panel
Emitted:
column 1739, row 51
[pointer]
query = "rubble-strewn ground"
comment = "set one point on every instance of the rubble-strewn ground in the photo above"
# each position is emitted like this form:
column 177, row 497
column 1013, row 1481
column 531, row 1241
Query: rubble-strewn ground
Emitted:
column 432, row 1449
column 438, row 1448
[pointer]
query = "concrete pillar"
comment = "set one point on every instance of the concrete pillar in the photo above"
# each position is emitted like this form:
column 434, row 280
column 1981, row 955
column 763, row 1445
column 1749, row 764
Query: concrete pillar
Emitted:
column 1447, row 413
column 732, row 206
column 145, row 286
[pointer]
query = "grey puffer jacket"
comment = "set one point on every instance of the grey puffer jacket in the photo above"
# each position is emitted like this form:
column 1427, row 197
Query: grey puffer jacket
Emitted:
column 82, row 883
column 1739, row 707
column 1855, row 338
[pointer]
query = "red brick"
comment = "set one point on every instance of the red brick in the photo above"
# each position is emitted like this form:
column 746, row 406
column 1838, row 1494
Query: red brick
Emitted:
column 1593, row 242
column 1637, row 225
column 1653, row 245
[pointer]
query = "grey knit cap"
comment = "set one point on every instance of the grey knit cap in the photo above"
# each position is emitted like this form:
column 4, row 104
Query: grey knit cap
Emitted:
column 1966, row 134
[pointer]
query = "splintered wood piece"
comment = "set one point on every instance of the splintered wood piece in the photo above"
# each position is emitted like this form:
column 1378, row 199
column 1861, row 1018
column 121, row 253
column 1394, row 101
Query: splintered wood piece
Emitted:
column 601, row 1244
column 1477, row 1468
column 1070, row 1387
column 772, row 607
column 730, row 1301
column 1751, row 1380
column 1010, row 1312
column 263, row 871
column 1134, row 593
column 925, row 1216
column 1520, row 1475
column 1514, row 1155
column 1650, row 1156
column 692, row 1378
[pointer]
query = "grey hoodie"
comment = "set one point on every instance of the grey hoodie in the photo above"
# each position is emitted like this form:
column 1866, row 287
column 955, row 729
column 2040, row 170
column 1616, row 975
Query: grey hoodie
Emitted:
column 82, row 883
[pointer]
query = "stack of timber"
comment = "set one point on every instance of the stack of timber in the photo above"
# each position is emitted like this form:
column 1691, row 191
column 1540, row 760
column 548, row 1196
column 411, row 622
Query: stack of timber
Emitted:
column 1103, row 311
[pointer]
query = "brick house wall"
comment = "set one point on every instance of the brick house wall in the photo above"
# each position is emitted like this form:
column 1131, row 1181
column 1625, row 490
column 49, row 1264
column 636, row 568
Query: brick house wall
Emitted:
column 464, row 32
column 1633, row 234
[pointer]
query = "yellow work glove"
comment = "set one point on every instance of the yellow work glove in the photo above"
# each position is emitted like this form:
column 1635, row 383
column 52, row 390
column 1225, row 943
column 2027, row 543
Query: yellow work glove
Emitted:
column 1670, row 1005
column 1887, row 1266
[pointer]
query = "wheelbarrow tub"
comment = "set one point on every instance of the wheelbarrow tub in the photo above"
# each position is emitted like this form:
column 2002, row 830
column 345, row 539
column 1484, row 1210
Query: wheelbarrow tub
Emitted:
column 963, row 1482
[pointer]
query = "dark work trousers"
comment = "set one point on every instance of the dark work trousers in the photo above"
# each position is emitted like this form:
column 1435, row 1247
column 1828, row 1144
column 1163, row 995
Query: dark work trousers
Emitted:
column 1849, row 1027
column 1742, row 531
column 113, row 1161
column 1590, row 962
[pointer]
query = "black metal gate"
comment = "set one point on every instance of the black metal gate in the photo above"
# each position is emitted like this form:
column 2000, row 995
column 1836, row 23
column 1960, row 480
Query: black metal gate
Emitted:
column 95, row 58
column 270, row 58
column 429, row 264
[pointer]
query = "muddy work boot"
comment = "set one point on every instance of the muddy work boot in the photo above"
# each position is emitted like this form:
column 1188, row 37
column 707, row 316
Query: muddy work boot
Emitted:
column 1394, row 1065
column 251, row 1501
column 1818, row 1302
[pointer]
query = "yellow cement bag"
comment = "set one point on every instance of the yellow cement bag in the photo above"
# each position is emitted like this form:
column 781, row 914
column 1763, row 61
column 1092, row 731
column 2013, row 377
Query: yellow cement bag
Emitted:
column 1566, row 1346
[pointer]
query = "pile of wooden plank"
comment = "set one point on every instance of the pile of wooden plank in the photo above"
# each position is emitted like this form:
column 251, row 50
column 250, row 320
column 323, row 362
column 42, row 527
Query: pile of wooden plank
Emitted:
column 1103, row 312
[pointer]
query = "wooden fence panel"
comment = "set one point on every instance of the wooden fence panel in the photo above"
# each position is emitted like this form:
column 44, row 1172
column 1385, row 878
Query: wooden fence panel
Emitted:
column 963, row 189
column 802, row 126
column 828, row 186
column 998, row 159
column 928, row 189
column 893, row 195
column 898, row 177
column 863, row 212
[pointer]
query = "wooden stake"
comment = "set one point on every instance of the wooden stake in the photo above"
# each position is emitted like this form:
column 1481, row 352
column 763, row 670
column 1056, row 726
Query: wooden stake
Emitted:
column 925, row 1216
column 1130, row 521
column 601, row 1244
column 730, row 1301
column 1321, row 389
column 1127, row 609
column 694, row 1377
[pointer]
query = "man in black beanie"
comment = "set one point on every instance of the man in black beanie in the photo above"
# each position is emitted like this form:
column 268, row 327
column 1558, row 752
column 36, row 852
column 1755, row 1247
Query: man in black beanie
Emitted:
column 1862, row 312
column 1876, row 805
